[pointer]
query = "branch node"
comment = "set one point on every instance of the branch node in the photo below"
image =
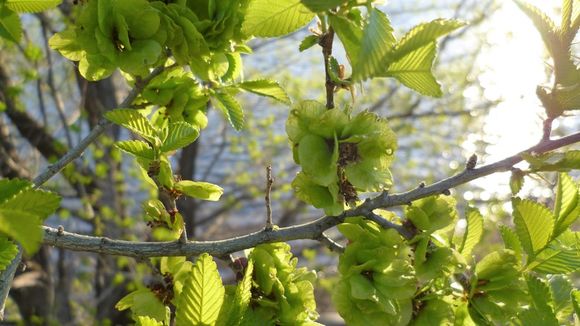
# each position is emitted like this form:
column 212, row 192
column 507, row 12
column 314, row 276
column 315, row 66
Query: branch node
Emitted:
column 446, row 192
column 60, row 231
column 422, row 184
column 471, row 162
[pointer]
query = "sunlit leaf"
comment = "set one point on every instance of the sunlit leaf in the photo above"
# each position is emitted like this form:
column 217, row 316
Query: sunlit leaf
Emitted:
column 422, row 35
column 134, row 121
column 377, row 41
column 534, row 224
column 308, row 42
column 473, row 232
column 414, row 70
column 576, row 301
column 200, row 190
column 322, row 5
column 21, row 226
column 10, row 27
column 265, row 18
column 231, row 109
column 180, row 135
column 561, row 256
column 266, row 87
column 144, row 303
column 542, row 300
column 567, row 205
column 8, row 250
column 202, row 296
column 349, row 34
column 511, row 241
column 554, row 161
column 31, row 6
column 516, row 181
column 136, row 148
column 242, row 296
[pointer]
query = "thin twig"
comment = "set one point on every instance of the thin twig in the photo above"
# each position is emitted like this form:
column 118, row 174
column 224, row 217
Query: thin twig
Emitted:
column 326, row 43
column 331, row 244
column 311, row 230
column 269, row 182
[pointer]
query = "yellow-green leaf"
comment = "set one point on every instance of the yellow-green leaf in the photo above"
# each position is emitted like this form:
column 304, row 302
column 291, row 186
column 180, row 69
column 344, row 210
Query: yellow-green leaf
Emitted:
column 198, row 189
column 134, row 121
column 10, row 27
column 567, row 205
column 202, row 296
column 267, row 18
column 31, row 6
column 534, row 224
column 473, row 232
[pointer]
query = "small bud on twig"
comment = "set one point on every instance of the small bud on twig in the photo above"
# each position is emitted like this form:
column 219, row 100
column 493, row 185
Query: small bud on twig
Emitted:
column 471, row 162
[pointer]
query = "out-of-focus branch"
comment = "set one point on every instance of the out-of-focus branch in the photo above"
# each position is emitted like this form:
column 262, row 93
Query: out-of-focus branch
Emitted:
column 312, row 230
column 101, row 126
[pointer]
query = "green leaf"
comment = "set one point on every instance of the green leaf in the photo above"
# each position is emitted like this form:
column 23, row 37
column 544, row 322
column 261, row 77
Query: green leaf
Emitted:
column 144, row 303
column 564, row 67
column 137, row 148
column 516, row 181
column 134, row 121
column 11, row 187
column 10, row 27
column 198, row 189
column 8, row 250
column 541, row 300
column 562, row 255
column 147, row 321
column 534, row 224
column 377, row 41
column 567, row 10
column 414, row 71
column 38, row 202
column 180, row 135
column 21, row 226
column 561, row 287
column 422, row 35
column 308, row 42
column 242, row 296
column 266, row 18
column 554, row 161
column 349, row 34
column 228, row 105
column 266, row 87
column 322, row 5
column 30, row 6
column 202, row 296
column 511, row 241
column 473, row 232
column 575, row 295
column 567, row 206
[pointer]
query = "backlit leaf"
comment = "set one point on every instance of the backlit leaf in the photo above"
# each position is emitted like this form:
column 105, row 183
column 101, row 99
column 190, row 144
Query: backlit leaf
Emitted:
column 266, row 18
column 349, row 34
column 200, row 190
column 322, row 5
column 8, row 250
column 308, row 42
column 202, row 296
column 473, row 232
column 137, row 148
column 414, row 71
column 231, row 109
column 567, row 205
column 180, row 135
column 534, row 224
column 377, row 41
column 134, row 121
column 266, row 87
column 21, row 226
column 22, row 6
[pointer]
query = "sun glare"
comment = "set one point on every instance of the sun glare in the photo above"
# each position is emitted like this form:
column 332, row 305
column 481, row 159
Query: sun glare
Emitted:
column 513, row 65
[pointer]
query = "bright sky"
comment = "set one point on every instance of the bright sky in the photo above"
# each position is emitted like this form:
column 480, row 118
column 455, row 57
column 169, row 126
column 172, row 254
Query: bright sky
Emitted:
column 513, row 66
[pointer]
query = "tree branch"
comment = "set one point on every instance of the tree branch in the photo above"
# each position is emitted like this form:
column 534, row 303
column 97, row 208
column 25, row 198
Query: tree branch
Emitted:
column 101, row 126
column 311, row 230
column 6, row 280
